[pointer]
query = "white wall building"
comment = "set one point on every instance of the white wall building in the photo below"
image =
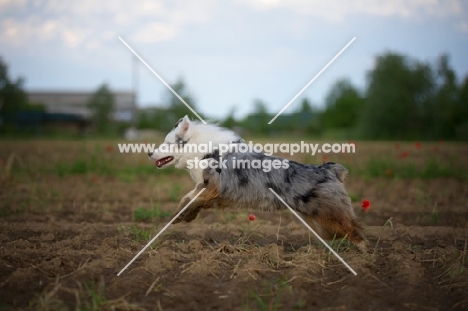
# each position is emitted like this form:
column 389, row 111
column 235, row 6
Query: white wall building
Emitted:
column 75, row 102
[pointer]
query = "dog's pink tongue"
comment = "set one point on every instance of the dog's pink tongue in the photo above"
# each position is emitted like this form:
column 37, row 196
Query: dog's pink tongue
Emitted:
column 158, row 162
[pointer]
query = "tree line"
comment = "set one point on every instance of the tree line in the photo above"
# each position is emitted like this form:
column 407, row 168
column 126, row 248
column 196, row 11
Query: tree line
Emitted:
column 403, row 99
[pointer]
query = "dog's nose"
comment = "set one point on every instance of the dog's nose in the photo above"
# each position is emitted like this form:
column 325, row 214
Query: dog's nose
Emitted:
column 150, row 154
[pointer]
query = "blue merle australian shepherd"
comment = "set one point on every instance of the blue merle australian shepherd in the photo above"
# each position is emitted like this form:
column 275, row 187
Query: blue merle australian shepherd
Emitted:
column 316, row 192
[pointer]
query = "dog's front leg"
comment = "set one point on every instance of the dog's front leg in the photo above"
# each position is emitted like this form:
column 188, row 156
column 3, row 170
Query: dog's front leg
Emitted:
column 192, row 211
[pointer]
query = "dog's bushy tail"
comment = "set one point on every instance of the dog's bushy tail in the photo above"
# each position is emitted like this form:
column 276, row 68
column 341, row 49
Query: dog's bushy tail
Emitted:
column 340, row 171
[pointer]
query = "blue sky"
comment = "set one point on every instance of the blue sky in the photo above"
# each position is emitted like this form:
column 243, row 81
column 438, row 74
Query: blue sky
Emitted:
column 229, row 53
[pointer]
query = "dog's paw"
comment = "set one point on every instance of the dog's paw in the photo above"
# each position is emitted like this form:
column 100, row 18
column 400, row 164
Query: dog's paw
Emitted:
column 190, row 215
column 363, row 246
column 177, row 220
column 186, row 216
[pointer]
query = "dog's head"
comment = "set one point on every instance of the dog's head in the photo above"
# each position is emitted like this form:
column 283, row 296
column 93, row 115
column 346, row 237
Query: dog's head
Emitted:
column 170, row 152
column 181, row 144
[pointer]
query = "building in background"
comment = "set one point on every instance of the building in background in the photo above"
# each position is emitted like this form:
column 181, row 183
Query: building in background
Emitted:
column 65, row 112
column 75, row 103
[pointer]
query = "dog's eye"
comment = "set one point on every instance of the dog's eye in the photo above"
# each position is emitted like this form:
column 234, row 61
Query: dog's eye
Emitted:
column 180, row 141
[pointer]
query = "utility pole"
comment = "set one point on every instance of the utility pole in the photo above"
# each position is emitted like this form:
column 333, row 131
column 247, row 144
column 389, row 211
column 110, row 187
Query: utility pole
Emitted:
column 134, row 64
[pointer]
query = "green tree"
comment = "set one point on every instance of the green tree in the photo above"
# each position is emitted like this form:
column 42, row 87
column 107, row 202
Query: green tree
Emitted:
column 444, row 115
column 307, row 120
column 257, row 120
column 144, row 120
column 399, row 90
column 461, row 112
column 303, row 117
column 342, row 106
column 301, row 121
column 12, row 96
column 306, row 107
column 176, row 109
column 101, row 105
column 230, row 121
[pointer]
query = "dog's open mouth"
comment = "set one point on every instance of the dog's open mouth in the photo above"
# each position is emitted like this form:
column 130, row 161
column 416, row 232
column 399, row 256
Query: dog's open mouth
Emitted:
column 161, row 162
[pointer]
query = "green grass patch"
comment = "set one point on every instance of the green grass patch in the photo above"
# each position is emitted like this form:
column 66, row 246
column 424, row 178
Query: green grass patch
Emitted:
column 95, row 298
column 84, row 165
column 270, row 297
column 136, row 233
column 94, row 165
column 139, row 234
column 353, row 197
column 174, row 194
column 431, row 168
column 142, row 213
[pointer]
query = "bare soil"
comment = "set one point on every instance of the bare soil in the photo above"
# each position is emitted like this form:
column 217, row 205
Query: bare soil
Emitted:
column 64, row 238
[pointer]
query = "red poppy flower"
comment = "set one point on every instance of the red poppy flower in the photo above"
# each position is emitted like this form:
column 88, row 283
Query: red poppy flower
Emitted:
column 389, row 173
column 417, row 145
column 109, row 148
column 324, row 159
column 252, row 217
column 94, row 179
column 365, row 204
column 403, row 154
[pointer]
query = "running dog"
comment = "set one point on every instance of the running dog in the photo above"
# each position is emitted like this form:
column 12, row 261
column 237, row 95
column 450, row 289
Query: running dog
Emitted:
column 317, row 192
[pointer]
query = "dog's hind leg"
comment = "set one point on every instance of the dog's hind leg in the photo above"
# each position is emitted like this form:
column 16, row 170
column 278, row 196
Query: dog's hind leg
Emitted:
column 316, row 226
column 331, row 208
column 341, row 225
column 337, row 223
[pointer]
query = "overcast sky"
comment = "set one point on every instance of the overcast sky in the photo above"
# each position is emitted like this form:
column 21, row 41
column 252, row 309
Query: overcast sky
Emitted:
column 229, row 53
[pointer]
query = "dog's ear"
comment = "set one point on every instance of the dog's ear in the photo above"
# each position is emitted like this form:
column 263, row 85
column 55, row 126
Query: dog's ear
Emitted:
column 182, row 125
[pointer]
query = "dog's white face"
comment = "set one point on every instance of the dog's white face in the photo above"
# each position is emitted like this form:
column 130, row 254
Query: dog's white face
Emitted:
column 170, row 152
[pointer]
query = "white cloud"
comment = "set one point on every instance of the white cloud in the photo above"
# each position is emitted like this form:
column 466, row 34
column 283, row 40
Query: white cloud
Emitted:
column 248, row 31
column 157, row 20
column 109, row 35
column 5, row 4
column 71, row 23
column 338, row 10
column 33, row 30
column 73, row 37
column 151, row 7
column 48, row 30
column 14, row 33
column 10, row 28
column 122, row 19
column 93, row 45
column 155, row 32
